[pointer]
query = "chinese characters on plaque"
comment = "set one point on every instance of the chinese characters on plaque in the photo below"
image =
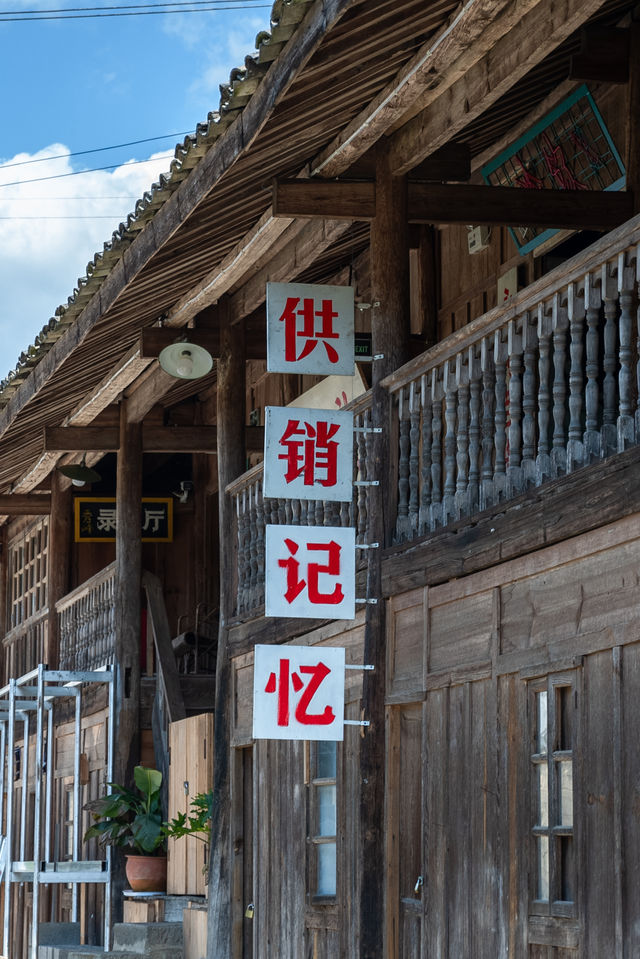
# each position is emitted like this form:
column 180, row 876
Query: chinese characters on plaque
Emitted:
column 308, row 454
column 310, row 329
column 95, row 519
column 310, row 571
column 298, row 692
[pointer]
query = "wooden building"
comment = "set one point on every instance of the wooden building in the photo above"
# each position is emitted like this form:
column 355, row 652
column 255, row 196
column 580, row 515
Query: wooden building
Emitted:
column 472, row 171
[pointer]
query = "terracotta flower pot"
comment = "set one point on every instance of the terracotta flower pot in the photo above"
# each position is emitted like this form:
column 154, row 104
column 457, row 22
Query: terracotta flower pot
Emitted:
column 147, row 873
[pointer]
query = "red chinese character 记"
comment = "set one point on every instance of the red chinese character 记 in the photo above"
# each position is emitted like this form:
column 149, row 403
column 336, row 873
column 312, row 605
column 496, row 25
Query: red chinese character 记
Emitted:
column 308, row 332
column 295, row 583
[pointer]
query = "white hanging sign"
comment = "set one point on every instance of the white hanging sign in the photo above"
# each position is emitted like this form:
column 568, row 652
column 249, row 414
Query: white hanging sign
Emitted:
column 310, row 329
column 308, row 454
column 310, row 572
column 298, row 692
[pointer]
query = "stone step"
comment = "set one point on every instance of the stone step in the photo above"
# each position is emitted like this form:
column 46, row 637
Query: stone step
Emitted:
column 147, row 939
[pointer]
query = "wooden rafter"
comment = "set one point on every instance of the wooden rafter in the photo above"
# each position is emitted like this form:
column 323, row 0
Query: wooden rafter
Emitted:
column 459, row 203
column 533, row 37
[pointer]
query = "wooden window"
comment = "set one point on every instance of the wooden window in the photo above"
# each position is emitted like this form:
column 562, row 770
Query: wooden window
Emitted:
column 322, row 763
column 27, row 563
column 553, row 708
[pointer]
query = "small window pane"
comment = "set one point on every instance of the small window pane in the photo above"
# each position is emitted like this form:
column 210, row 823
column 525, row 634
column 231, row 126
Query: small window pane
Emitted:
column 326, row 810
column 327, row 872
column 326, row 753
column 566, row 868
column 566, row 793
column 543, row 794
column 543, row 868
column 565, row 718
column 541, row 739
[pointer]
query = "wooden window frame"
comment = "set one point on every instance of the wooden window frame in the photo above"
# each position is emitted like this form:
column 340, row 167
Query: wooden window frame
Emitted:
column 27, row 564
column 554, row 756
column 314, row 838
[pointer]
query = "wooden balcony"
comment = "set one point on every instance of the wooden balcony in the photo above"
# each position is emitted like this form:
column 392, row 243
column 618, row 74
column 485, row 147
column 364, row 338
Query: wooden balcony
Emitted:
column 86, row 622
column 541, row 386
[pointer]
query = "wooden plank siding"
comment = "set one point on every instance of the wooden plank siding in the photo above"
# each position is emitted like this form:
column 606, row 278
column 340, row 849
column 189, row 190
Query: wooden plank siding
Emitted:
column 462, row 658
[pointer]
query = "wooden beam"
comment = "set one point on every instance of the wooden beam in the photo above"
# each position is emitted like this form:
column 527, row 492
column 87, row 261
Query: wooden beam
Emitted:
column 153, row 339
column 603, row 56
column 25, row 504
column 451, row 164
column 532, row 38
column 73, row 439
column 155, row 439
column 459, row 203
column 444, row 58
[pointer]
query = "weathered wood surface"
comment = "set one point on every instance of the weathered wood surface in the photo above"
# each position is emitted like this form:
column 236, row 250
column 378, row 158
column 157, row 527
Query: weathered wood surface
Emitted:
column 457, row 203
column 190, row 773
column 167, row 668
column 231, row 461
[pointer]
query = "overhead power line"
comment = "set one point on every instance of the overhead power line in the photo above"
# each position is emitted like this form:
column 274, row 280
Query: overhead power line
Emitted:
column 115, row 146
column 137, row 10
column 97, row 169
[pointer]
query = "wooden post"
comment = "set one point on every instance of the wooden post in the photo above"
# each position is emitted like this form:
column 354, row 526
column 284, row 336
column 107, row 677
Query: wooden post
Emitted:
column 127, row 615
column 390, row 329
column 632, row 159
column 58, row 563
column 231, row 464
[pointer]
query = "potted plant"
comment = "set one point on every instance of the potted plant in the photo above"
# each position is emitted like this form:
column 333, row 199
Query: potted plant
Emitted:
column 132, row 819
column 197, row 824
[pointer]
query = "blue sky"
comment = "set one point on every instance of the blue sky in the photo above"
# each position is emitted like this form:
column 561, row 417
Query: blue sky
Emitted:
column 77, row 85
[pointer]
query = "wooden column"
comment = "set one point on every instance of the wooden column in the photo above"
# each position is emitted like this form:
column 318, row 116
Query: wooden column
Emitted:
column 127, row 614
column 632, row 159
column 58, row 562
column 390, row 329
column 231, row 464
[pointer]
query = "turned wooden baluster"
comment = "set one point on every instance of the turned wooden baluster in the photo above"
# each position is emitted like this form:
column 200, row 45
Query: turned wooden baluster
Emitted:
column 436, row 448
column 529, row 397
column 242, row 551
column 402, row 520
column 450, row 442
column 414, row 457
column 609, row 433
column 260, row 523
column 462, row 433
column 500, row 442
column 253, row 546
column 625, row 424
column 592, row 302
column 543, row 459
column 425, row 492
column 514, row 346
column 488, row 422
column 475, row 390
column 559, row 321
column 575, row 310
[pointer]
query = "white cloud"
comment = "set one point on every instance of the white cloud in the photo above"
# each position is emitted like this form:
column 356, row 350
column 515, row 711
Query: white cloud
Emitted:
column 43, row 250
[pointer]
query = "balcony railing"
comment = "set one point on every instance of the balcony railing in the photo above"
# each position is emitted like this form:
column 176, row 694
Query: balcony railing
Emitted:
column 86, row 623
column 536, row 388
column 540, row 386
column 24, row 646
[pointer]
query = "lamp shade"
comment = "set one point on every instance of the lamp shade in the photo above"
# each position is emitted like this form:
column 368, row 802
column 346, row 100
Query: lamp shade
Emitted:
column 79, row 473
column 186, row 361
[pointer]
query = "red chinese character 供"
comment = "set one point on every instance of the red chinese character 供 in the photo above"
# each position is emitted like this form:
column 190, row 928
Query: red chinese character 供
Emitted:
column 309, row 333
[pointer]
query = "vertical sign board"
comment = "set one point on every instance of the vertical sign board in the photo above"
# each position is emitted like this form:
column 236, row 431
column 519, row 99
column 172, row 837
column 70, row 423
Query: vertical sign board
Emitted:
column 310, row 329
column 310, row 572
column 298, row 692
column 308, row 454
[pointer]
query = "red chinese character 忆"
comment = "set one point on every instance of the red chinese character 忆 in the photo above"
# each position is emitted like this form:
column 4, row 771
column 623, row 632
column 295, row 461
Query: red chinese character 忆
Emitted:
column 281, row 685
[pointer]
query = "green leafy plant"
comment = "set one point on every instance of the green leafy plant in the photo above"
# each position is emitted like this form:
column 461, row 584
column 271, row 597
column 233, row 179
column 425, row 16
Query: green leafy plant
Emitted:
column 198, row 824
column 131, row 819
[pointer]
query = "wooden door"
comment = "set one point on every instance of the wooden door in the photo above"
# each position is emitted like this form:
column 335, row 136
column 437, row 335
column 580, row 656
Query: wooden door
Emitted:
column 190, row 773
column 405, row 846
column 243, row 889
